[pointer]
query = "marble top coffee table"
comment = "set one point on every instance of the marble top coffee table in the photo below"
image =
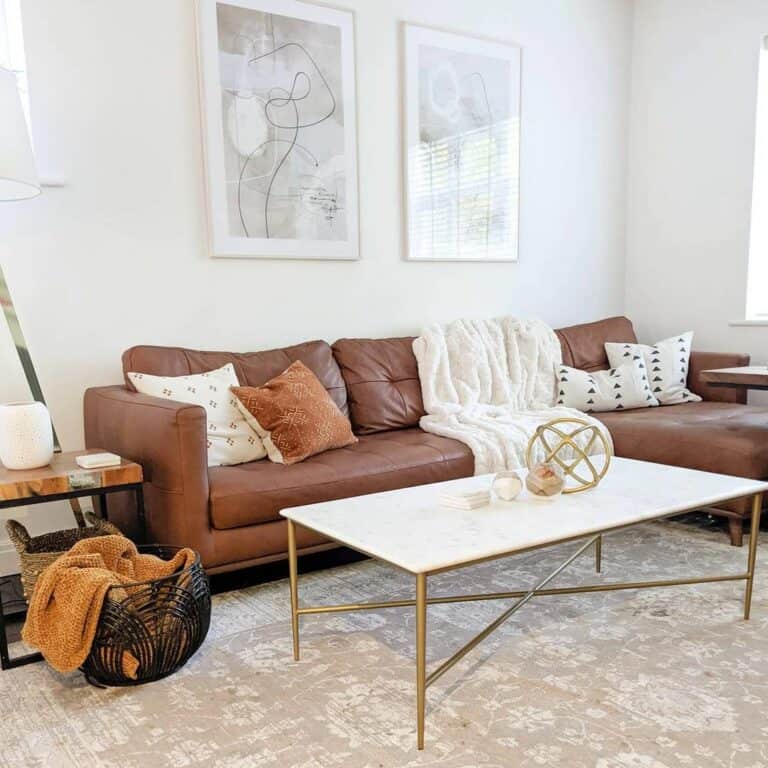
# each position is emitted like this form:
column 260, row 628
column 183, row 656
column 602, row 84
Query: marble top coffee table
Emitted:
column 411, row 530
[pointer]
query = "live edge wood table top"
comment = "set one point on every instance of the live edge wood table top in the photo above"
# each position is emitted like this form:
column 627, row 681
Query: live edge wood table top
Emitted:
column 747, row 376
column 64, row 476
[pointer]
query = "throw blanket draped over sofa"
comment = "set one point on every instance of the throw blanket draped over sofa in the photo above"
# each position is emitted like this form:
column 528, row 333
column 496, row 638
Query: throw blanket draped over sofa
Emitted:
column 490, row 384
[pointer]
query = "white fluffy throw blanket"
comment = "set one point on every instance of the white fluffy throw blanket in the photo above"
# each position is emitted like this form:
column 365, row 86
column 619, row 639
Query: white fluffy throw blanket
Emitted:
column 490, row 384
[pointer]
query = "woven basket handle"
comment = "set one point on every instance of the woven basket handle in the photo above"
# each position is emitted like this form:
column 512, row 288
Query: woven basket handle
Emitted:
column 18, row 535
column 77, row 511
column 102, row 526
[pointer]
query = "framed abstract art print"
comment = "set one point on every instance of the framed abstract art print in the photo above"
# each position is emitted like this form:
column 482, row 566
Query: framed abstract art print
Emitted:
column 278, row 96
column 462, row 146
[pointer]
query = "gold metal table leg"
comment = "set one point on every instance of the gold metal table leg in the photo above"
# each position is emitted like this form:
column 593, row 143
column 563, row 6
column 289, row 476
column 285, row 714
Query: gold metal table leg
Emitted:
column 494, row 625
column 754, row 532
column 294, row 581
column 555, row 591
column 423, row 681
column 421, row 656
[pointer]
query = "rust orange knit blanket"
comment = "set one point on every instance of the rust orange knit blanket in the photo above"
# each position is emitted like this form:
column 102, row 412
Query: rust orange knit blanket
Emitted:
column 66, row 603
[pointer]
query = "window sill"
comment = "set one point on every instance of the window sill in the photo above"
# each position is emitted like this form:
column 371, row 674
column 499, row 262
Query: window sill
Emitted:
column 748, row 323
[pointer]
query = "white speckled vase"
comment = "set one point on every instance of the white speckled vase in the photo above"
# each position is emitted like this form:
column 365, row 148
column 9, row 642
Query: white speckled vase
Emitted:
column 26, row 435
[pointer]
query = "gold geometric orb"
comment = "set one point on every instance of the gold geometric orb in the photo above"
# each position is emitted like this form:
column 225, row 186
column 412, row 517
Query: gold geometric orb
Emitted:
column 569, row 443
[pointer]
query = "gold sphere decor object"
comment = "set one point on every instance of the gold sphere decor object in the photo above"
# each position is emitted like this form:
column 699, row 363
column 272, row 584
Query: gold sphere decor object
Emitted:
column 568, row 443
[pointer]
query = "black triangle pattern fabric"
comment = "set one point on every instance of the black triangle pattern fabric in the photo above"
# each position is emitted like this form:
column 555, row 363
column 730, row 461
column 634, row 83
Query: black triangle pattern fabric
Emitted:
column 668, row 362
column 619, row 388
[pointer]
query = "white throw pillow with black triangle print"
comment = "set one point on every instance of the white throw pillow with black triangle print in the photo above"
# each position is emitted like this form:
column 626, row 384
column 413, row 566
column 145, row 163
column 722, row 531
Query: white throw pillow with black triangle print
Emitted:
column 621, row 388
column 230, row 438
column 667, row 363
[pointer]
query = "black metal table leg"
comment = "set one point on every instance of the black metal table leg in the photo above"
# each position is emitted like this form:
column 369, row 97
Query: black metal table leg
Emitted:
column 140, row 513
column 6, row 662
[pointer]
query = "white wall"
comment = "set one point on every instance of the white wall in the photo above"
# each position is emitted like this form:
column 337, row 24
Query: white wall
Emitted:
column 118, row 257
column 692, row 130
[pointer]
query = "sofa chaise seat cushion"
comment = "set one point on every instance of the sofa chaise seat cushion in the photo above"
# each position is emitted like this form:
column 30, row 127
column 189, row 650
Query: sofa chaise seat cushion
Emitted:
column 728, row 438
column 254, row 493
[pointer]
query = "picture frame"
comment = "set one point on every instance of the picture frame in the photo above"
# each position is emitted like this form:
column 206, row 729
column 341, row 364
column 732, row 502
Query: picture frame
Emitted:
column 280, row 131
column 461, row 146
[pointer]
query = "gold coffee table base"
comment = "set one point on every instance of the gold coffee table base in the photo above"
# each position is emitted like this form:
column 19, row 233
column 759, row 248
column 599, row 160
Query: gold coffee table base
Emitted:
column 521, row 597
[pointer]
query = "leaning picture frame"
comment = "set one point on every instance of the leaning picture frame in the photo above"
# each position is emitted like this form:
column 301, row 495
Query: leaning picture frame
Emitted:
column 461, row 146
column 278, row 108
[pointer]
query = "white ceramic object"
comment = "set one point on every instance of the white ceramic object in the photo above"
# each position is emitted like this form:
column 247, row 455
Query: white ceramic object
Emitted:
column 26, row 435
column 507, row 485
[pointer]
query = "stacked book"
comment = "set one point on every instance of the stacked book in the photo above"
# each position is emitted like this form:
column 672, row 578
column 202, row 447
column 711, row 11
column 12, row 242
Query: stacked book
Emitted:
column 466, row 499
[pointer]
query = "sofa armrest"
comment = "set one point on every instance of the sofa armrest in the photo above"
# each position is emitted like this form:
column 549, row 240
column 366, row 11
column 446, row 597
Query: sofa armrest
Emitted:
column 702, row 361
column 168, row 439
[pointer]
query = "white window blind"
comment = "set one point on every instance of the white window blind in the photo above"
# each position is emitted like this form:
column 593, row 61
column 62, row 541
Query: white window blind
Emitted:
column 463, row 193
column 757, row 281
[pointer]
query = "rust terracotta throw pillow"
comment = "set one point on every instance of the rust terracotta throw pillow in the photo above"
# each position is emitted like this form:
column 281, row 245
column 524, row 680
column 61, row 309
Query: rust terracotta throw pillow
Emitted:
column 294, row 415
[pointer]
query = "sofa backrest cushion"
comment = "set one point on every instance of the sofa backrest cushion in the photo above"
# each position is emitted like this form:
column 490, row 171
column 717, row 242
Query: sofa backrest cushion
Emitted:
column 584, row 345
column 373, row 381
column 382, row 381
column 253, row 368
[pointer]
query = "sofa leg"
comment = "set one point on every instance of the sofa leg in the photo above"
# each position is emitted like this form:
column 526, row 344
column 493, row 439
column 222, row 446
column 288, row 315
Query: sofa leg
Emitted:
column 736, row 530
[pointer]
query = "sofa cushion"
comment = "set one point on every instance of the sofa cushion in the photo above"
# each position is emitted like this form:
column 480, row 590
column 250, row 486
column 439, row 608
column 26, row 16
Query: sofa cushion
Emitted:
column 667, row 362
column 252, row 368
column 294, row 415
column 584, row 345
column 728, row 438
column 230, row 439
column 382, row 380
column 256, row 492
column 620, row 388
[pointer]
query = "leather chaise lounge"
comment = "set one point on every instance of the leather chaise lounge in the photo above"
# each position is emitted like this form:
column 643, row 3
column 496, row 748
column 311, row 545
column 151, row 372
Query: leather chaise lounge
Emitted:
column 231, row 514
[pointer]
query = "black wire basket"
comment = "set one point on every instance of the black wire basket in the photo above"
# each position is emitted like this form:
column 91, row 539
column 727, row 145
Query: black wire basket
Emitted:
column 157, row 624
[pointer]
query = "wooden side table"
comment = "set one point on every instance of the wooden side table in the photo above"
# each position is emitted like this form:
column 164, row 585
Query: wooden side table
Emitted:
column 744, row 376
column 63, row 479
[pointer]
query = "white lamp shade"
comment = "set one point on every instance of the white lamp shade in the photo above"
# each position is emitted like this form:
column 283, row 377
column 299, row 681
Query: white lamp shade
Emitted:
column 18, row 175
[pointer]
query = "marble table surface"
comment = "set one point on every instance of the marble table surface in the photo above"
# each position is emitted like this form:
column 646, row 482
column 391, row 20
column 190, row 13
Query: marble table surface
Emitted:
column 410, row 529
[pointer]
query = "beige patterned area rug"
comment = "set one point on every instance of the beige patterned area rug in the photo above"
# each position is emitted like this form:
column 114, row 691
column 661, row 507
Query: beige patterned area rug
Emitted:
column 655, row 679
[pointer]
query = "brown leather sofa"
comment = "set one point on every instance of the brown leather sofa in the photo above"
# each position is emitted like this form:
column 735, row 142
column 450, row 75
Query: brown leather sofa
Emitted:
column 231, row 514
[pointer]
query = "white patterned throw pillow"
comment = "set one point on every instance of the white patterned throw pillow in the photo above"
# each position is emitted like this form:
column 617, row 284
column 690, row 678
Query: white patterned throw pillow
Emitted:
column 621, row 388
column 230, row 439
column 667, row 363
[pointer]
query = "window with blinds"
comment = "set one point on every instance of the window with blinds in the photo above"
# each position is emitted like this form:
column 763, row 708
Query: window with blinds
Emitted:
column 757, row 281
column 463, row 195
